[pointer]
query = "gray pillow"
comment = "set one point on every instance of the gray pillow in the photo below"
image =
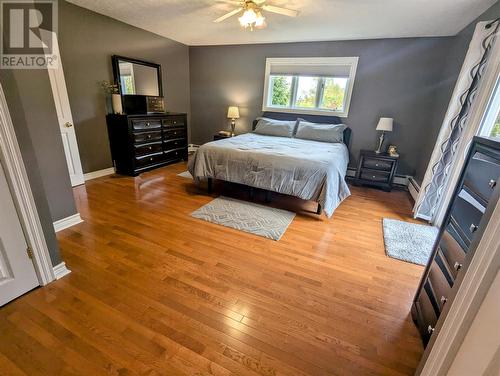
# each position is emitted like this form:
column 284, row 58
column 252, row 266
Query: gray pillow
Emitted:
column 271, row 127
column 320, row 132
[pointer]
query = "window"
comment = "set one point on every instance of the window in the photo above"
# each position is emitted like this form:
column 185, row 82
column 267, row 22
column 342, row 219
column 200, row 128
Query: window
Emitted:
column 490, row 126
column 309, row 85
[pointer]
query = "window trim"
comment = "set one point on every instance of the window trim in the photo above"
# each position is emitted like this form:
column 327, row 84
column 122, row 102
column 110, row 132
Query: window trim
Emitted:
column 351, row 61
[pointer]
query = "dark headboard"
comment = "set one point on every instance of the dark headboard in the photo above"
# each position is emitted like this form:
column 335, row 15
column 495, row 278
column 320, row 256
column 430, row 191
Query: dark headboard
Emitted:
column 310, row 118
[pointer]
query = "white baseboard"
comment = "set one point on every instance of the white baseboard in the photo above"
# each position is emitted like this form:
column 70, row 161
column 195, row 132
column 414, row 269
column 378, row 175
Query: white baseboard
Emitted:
column 99, row 174
column 67, row 222
column 60, row 270
column 413, row 188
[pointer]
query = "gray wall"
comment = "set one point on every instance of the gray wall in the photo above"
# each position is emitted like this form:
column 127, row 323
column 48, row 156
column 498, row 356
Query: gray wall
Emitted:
column 87, row 42
column 399, row 78
column 452, row 65
column 33, row 114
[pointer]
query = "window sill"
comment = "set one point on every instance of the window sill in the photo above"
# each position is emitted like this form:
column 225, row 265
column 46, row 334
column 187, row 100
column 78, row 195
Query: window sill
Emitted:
column 305, row 111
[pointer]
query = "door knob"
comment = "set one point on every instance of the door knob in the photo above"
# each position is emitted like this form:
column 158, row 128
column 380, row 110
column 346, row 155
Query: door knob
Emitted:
column 68, row 124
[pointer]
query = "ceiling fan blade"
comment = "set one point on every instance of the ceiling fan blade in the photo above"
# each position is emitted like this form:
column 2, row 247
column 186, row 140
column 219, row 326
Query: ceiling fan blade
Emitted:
column 280, row 10
column 227, row 15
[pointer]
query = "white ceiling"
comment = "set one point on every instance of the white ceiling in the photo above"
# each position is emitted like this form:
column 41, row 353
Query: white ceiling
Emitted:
column 190, row 21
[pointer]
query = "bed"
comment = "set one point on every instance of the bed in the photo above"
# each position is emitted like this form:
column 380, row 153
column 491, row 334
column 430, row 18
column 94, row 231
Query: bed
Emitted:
column 310, row 170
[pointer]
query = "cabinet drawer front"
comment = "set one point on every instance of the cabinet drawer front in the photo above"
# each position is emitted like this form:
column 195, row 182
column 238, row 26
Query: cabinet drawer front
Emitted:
column 466, row 214
column 175, row 154
column 453, row 253
column 439, row 284
column 149, row 160
column 427, row 312
column 173, row 121
column 482, row 174
column 143, row 124
column 377, row 164
column 146, row 136
column 150, row 148
column 175, row 133
column 175, row 143
column 373, row 175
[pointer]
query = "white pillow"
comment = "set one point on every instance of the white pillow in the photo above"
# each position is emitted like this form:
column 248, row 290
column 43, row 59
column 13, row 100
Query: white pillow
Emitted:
column 272, row 127
column 320, row 132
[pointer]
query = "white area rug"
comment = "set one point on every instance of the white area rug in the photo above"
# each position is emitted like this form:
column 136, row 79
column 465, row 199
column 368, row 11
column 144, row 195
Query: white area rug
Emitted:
column 185, row 174
column 245, row 216
column 409, row 242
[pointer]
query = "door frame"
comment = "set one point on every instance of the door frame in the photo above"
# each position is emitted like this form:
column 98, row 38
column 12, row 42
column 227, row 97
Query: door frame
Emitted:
column 17, row 177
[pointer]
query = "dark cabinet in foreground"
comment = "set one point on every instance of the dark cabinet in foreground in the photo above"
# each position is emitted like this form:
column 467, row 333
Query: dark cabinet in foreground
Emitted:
column 470, row 208
column 143, row 142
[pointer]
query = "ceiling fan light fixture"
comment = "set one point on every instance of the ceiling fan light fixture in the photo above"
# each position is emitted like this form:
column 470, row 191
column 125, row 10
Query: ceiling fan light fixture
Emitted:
column 248, row 18
column 260, row 21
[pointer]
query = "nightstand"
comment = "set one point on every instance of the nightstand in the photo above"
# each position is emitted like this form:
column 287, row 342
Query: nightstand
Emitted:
column 376, row 169
column 219, row 137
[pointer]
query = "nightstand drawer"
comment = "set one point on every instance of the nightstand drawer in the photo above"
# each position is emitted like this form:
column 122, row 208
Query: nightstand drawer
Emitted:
column 374, row 175
column 377, row 164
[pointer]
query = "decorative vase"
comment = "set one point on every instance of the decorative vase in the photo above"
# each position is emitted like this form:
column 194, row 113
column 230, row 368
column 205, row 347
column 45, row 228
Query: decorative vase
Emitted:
column 117, row 103
column 109, row 104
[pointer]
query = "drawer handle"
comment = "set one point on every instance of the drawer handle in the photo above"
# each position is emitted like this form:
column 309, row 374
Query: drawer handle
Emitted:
column 430, row 329
column 151, row 158
column 444, row 299
column 148, row 124
column 373, row 177
column 376, row 164
column 473, row 228
column 150, row 148
column 457, row 266
column 492, row 183
column 149, row 136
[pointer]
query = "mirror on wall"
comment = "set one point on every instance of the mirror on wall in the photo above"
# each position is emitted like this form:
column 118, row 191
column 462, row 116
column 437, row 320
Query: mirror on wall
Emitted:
column 137, row 77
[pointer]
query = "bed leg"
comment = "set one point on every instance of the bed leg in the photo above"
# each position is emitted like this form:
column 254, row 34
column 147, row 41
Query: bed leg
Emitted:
column 268, row 196
column 209, row 185
column 318, row 211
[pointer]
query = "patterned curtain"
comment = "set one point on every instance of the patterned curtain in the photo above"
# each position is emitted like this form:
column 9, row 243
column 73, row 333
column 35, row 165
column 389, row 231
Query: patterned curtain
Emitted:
column 455, row 120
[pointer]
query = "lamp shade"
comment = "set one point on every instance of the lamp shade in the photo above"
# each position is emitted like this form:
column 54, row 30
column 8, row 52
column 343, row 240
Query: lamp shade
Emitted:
column 385, row 124
column 233, row 112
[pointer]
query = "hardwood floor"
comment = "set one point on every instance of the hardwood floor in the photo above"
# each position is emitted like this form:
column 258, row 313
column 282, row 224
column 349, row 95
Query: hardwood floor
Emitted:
column 156, row 292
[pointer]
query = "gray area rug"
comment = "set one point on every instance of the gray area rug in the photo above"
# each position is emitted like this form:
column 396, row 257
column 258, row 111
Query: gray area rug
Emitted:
column 409, row 242
column 185, row 174
column 256, row 219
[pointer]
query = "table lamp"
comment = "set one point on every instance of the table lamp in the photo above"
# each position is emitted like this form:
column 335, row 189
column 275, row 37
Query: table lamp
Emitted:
column 384, row 125
column 233, row 113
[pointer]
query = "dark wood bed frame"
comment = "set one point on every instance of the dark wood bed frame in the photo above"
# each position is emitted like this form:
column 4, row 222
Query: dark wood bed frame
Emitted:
column 287, row 116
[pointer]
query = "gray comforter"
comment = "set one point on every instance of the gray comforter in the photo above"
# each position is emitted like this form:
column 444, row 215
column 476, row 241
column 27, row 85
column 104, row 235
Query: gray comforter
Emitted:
column 307, row 169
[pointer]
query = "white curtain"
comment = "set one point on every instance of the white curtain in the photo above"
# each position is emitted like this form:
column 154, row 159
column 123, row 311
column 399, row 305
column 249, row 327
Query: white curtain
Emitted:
column 455, row 121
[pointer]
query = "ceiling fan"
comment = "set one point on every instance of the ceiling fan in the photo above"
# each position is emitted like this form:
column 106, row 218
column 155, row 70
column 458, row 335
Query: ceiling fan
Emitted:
column 252, row 13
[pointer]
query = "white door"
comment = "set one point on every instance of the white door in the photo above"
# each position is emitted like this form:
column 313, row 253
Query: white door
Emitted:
column 65, row 118
column 17, row 273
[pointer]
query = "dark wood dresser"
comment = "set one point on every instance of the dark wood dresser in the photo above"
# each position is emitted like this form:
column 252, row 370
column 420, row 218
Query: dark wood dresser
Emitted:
column 467, row 215
column 376, row 169
column 143, row 142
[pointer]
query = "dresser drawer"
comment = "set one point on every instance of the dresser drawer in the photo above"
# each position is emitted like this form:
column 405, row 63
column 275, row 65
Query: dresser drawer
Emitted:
column 452, row 251
column 377, row 164
column 144, row 124
column 482, row 174
column 466, row 215
column 174, row 121
column 440, row 284
column 150, row 148
column 150, row 159
column 374, row 175
column 176, row 154
column 174, row 143
column 174, row 133
column 146, row 136
column 428, row 317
